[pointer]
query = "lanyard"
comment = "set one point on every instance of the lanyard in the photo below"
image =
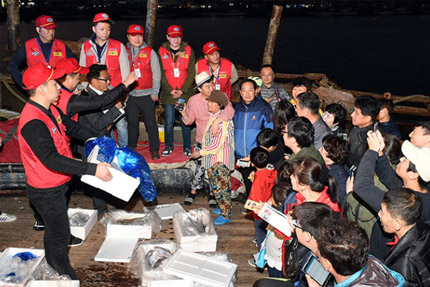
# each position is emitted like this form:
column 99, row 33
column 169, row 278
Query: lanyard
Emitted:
column 49, row 55
column 173, row 59
column 219, row 71
column 99, row 58
column 137, row 58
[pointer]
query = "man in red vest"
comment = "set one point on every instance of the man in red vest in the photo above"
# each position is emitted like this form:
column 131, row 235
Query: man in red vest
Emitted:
column 144, row 61
column 100, row 49
column 223, row 71
column 48, row 161
column 177, row 77
column 42, row 49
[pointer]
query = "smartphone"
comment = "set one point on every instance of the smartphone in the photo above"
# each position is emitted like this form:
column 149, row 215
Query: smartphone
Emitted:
column 352, row 171
column 375, row 127
column 243, row 163
column 313, row 268
column 180, row 105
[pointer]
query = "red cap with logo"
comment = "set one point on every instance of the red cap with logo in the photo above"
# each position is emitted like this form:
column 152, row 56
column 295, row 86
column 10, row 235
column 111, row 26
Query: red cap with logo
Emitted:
column 39, row 74
column 100, row 17
column 209, row 48
column 45, row 21
column 175, row 31
column 135, row 29
column 70, row 65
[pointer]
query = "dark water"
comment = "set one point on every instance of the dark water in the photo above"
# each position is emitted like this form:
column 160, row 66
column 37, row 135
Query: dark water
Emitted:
column 378, row 54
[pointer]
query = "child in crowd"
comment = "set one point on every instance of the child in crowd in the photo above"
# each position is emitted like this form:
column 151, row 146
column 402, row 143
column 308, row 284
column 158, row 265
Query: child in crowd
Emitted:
column 261, row 189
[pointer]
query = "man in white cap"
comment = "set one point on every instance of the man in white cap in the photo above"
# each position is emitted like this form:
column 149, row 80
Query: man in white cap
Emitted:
column 41, row 49
column 223, row 70
column 196, row 111
column 144, row 61
column 177, row 76
column 48, row 161
column 412, row 172
column 101, row 49
column 420, row 136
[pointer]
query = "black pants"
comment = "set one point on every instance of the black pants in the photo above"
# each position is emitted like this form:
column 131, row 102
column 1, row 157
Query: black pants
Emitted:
column 52, row 207
column 146, row 106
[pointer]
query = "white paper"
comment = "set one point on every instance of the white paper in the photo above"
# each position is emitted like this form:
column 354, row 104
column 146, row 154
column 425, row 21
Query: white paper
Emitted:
column 275, row 218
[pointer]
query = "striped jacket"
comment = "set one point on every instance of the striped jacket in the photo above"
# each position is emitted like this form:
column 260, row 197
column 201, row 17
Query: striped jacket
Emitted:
column 218, row 148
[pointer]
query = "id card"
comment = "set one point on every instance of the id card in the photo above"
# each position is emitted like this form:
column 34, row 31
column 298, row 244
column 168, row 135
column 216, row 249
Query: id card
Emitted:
column 176, row 72
column 217, row 87
column 137, row 72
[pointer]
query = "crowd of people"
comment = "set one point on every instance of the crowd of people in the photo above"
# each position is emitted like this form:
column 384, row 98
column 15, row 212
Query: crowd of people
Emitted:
column 357, row 200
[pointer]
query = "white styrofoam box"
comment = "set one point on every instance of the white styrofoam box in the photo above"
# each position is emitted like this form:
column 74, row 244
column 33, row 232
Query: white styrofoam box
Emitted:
column 200, row 268
column 166, row 211
column 121, row 185
column 205, row 242
column 138, row 231
column 82, row 232
column 116, row 249
column 6, row 267
column 53, row 283
column 170, row 283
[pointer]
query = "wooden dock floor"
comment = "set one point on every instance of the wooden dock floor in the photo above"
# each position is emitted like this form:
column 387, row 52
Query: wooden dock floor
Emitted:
column 233, row 238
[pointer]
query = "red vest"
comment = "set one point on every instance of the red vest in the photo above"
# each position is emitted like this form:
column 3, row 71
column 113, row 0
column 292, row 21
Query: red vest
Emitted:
column 38, row 175
column 113, row 51
column 142, row 62
column 35, row 56
column 169, row 66
column 222, row 78
column 63, row 101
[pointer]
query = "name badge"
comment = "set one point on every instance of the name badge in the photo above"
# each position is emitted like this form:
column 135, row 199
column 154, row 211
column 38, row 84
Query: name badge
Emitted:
column 142, row 55
column 138, row 74
column 113, row 53
column 223, row 76
column 217, row 87
column 58, row 54
column 176, row 73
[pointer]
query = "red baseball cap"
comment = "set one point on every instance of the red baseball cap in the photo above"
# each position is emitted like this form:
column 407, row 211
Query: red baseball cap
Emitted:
column 175, row 31
column 210, row 47
column 45, row 21
column 37, row 75
column 70, row 65
column 135, row 29
column 100, row 17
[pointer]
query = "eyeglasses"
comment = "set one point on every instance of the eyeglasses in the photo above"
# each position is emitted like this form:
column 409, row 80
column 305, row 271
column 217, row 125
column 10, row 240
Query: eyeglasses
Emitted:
column 295, row 225
column 104, row 80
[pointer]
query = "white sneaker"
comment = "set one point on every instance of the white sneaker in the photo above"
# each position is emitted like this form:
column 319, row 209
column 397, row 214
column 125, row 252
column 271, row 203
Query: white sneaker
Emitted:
column 4, row 217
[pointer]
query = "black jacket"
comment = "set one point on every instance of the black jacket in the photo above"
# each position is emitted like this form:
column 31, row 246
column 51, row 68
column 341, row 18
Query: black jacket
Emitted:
column 358, row 144
column 96, row 120
column 411, row 256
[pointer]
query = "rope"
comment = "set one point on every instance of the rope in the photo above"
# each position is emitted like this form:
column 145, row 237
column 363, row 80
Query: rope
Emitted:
column 15, row 94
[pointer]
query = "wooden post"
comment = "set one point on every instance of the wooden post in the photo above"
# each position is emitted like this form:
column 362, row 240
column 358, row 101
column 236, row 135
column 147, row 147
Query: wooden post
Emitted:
column 151, row 18
column 13, row 40
column 275, row 20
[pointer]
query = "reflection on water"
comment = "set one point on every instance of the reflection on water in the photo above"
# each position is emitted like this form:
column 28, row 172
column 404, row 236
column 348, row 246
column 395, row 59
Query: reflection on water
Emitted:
column 383, row 53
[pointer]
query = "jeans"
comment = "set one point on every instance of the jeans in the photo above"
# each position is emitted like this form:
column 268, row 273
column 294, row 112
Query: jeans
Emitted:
column 169, row 121
column 145, row 106
column 260, row 231
column 52, row 207
column 121, row 128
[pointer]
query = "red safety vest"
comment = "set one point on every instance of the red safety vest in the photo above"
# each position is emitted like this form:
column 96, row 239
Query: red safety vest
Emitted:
column 113, row 51
column 143, row 62
column 63, row 101
column 38, row 175
column 35, row 56
column 222, row 78
column 169, row 66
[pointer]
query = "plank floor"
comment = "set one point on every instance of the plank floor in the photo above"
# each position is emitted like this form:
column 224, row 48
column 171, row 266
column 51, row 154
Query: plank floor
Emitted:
column 233, row 238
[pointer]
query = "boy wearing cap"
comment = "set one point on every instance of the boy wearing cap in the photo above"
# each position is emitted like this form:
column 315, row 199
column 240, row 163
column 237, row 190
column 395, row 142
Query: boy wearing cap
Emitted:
column 223, row 71
column 412, row 172
column 42, row 49
column 48, row 161
column 100, row 49
column 218, row 155
column 177, row 75
column 195, row 110
column 144, row 60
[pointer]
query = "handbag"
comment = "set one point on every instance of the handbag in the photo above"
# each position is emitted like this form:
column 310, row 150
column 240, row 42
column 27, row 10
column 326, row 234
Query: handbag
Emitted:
column 261, row 261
